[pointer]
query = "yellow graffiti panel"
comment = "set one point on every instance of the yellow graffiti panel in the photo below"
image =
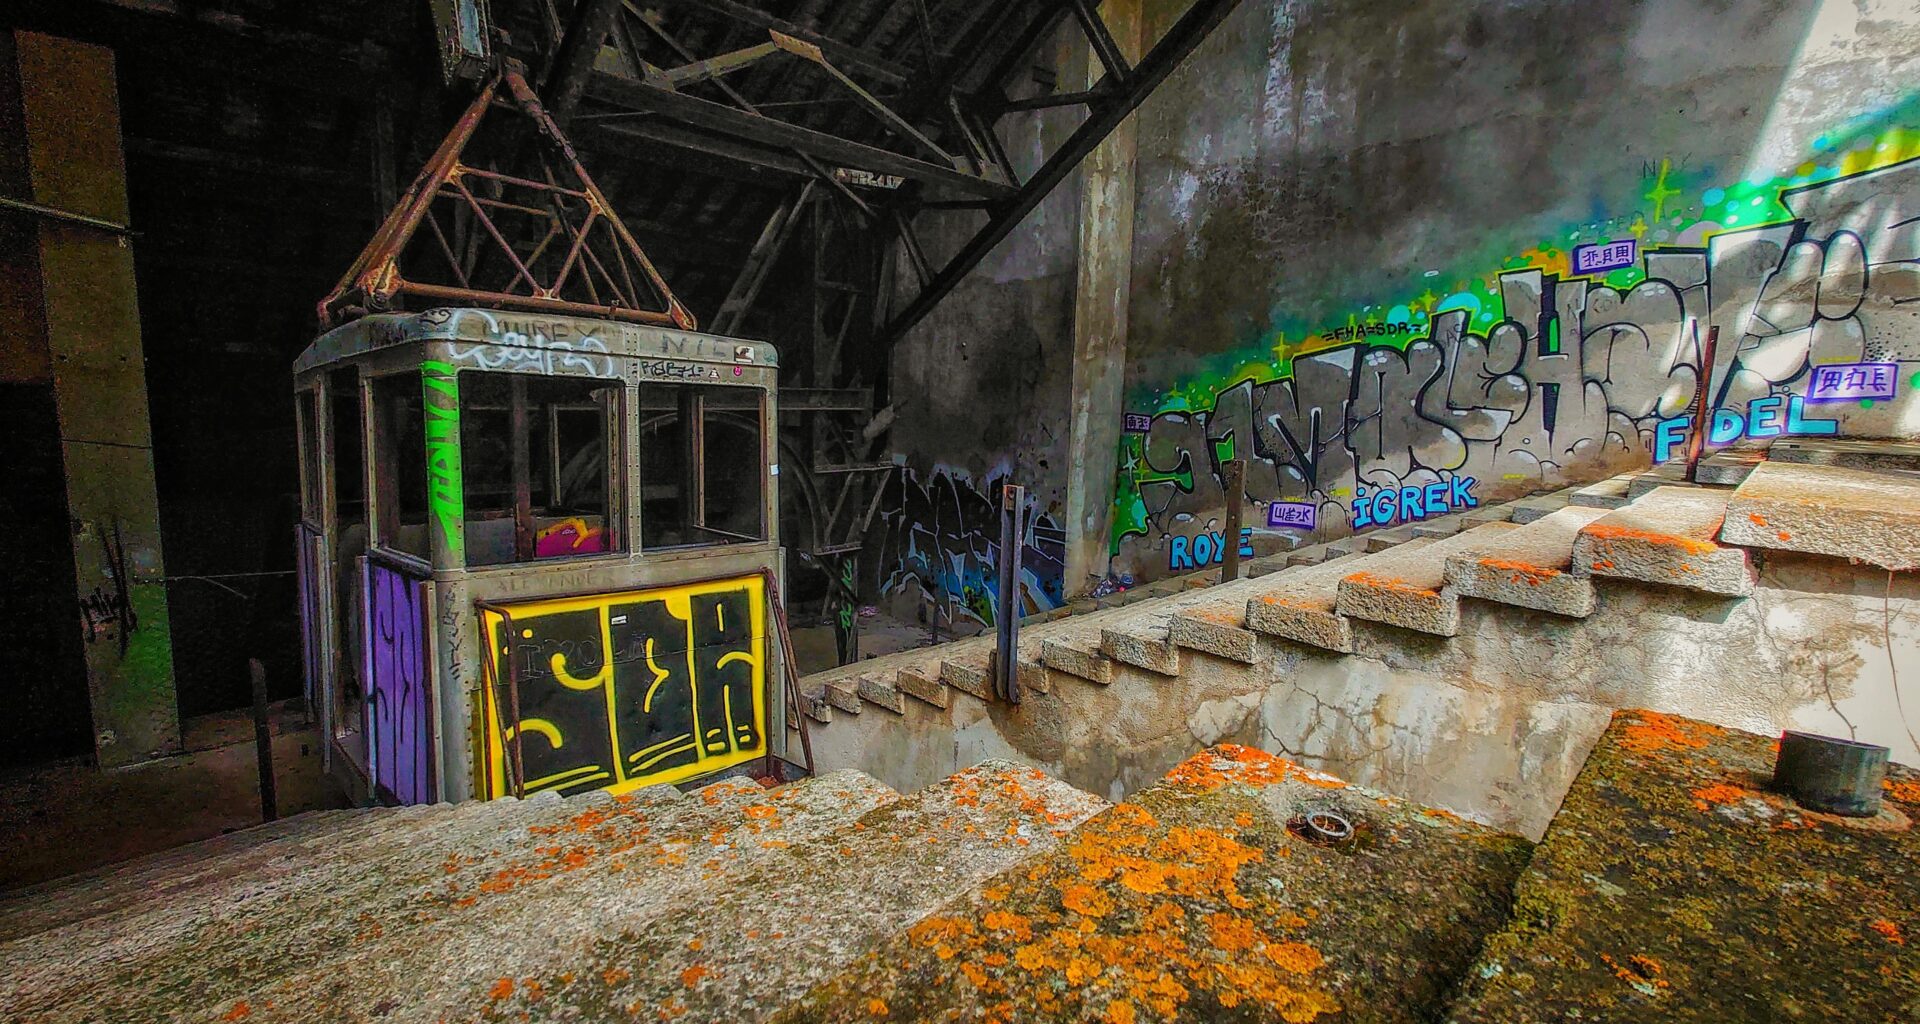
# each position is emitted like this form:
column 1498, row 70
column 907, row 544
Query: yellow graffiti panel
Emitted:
column 621, row 690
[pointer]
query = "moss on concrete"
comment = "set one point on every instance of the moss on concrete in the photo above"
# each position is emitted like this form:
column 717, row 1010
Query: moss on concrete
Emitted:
column 1203, row 900
column 1674, row 886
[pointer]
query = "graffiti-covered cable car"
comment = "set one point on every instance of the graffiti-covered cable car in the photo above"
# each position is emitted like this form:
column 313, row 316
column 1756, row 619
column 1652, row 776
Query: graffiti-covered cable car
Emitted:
column 534, row 553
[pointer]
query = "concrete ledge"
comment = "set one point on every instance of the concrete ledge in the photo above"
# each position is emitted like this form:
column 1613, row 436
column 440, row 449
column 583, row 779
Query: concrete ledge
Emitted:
column 1847, row 453
column 845, row 696
column 1610, row 493
column 817, row 707
column 1531, row 566
column 1666, row 538
column 1136, row 648
column 971, row 672
column 882, row 693
column 1402, row 587
column 1729, row 467
column 1075, row 659
column 922, row 688
column 1212, row 631
column 1528, row 510
column 1828, row 510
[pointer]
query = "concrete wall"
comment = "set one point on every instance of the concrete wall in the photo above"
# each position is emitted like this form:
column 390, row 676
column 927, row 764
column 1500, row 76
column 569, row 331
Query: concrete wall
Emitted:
column 980, row 387
column 1357, row 256
column 1493, row 723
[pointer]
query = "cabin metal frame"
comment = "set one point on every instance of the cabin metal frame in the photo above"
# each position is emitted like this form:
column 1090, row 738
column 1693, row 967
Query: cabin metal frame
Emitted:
column 467, row 714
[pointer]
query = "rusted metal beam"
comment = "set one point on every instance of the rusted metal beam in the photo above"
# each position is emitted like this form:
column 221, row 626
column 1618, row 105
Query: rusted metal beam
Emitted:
column 566, row 80
column 873, row 65
column 1105, row 115
column 765, row 131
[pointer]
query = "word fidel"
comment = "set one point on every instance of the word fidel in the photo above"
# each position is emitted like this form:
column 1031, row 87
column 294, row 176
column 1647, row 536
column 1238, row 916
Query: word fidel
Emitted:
column 1390, row 505
column 1763, row 419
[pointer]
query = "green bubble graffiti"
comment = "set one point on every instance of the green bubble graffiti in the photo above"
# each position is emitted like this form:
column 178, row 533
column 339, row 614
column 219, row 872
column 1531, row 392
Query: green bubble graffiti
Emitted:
column 1674, row 203
column 441, row 389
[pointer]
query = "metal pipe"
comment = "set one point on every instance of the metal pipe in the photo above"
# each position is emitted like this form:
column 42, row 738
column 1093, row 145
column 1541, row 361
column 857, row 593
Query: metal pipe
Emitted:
column 1006, row 617
column 789, row 670
column 1702, row 406
column 64, row 216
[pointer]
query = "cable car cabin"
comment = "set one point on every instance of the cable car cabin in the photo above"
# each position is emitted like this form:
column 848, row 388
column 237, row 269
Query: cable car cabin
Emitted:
column 534, row 553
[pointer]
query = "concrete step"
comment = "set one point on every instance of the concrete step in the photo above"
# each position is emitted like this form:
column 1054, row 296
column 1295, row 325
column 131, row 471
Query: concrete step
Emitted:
column 417, row 921
column 1301, row 607
column 1608, row 493
column 1373, row 543
column 880, row 691
column 1405, row 588
column 1204, row 898
column 758, row 936
column 598, row 879
column 1818, row 509
column 257, row 921
column 1666, row 537
column 1876, row 456
column 180, row 875
column 1667, row 474
column 1729, row 466
column 1217, row 625
column 1540, row 506
column 1531, row 566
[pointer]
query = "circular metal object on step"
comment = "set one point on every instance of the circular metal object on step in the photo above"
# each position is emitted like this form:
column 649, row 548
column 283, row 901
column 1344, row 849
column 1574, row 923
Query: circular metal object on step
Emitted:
column 1835, row 776
column 1329, row 826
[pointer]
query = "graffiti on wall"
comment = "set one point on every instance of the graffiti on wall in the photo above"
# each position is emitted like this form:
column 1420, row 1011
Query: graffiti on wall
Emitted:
column 398, row 708
column 441, row 390
column 1538, row 373
column 943, row 540
column 616, row 691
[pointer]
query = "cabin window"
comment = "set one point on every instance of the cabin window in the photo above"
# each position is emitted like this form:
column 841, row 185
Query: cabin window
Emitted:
column 540, row 467
column 312, row 489
column 400, row 465
column 702, row 479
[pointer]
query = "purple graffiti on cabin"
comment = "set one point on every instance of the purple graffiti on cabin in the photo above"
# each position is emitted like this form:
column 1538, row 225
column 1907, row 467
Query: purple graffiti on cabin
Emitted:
column 398, row 709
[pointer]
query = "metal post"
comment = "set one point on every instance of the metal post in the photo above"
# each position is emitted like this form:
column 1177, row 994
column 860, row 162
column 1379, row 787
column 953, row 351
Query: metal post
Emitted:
column 789, row 669
column 263, row 740
column 1702, row 406
column 1236, row 483
column 1006, row 613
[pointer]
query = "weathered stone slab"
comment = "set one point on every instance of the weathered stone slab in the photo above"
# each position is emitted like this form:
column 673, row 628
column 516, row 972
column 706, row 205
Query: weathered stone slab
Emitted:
column 844, row 695
column 1608, row 493
column 923, row 686
column 882, row 692
column 1828, row 510
column 1666, row 537
column 1299, row 607
column 1076, row 657
column 1203, row 899
column 1540, row 506
column 1667, row 474
column 1675, row 886
column 765, row 930
column 1880, row 456
column 1403, row 587
column 1373, row 543
column 1217, row 631
column 1729, row 467
column 1444, row 526
column 1530, row 566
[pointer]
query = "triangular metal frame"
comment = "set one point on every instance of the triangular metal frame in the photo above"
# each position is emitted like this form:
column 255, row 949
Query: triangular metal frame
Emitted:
column 375, row 282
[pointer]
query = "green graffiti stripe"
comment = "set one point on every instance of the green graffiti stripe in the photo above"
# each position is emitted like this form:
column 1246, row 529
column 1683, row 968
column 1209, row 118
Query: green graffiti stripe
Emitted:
column 440, row 387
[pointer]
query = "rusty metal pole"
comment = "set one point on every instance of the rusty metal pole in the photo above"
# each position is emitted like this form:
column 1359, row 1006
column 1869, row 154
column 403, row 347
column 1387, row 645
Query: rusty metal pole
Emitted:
column 1236, row 485
column 1702, row 406
column 1006, row 613
column 789, row 669
column 263, row 741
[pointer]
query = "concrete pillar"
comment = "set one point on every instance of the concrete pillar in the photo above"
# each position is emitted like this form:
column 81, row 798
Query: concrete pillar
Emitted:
column 70, row 126
column 1100, row 323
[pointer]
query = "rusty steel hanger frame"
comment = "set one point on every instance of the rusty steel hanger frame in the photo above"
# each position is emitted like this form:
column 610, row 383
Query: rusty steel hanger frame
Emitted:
column 374, row 283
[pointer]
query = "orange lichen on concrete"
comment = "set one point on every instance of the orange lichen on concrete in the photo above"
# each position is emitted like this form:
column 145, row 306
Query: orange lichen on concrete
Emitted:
column 1756, row 519
column 1523, row 572
column 1707, row 797
column 1641, row 971
column 1604, row 564
column 1905, row 792
column 1612, row 534
column 1784, row 535
column 240, row 1011
column 1297, row 957
column 1230, row 763
column 502, row 989
column 1889, row 931
column 692, row 976
column 1395, row 583
column 877, row 1007
column 1651, row 731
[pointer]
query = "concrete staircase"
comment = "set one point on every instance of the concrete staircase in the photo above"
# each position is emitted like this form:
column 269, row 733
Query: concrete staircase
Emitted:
column 1578, row 574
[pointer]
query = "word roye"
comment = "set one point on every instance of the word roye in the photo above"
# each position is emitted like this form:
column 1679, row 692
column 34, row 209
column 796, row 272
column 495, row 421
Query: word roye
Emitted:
column 1205, row 549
